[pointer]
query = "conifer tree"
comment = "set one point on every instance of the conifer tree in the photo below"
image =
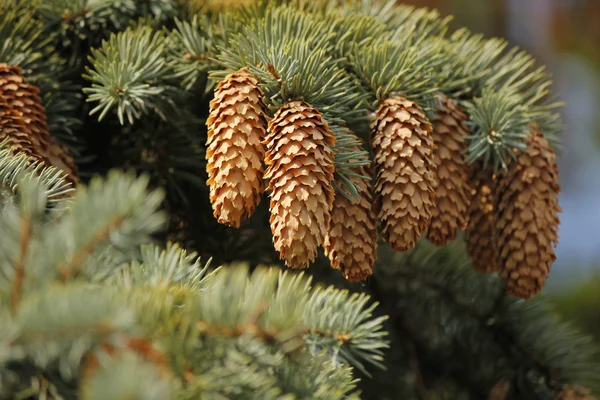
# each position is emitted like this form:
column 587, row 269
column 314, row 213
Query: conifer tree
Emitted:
column 165, row 165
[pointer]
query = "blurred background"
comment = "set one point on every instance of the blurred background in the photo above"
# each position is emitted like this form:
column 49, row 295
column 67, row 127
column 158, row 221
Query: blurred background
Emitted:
column 564, row 35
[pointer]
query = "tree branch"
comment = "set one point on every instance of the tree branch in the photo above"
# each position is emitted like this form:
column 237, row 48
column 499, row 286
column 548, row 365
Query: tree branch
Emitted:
column 17, row 285
column 67, row 271
column 505, row 339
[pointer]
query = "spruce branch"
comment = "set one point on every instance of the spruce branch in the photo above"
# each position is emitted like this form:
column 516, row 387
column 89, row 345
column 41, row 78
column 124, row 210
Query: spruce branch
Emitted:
column 72, row 268
column 295, row 46
column 343, row 322
column 126, row 376
column 171, row 152
column 15, row 167
column 191, row 45
column 94, row 244
column 78, row 25
column 162, row 311
column 525, row 338
column 472, row 55
column 129, row 73
column 162, row 267
column 21, row 36
column 499, row 123
column 392, row 67
column 353, row 29
column 349, row 154
column 414, row 24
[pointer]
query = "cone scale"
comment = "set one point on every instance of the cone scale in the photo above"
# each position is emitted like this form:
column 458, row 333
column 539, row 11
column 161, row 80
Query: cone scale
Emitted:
column 235, row 153
column 300, row 169
column 405, row 171
column 527, row 217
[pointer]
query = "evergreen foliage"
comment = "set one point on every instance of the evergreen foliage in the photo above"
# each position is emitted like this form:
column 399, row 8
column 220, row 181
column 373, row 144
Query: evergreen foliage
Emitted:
column 99, row 299
column 91, row 306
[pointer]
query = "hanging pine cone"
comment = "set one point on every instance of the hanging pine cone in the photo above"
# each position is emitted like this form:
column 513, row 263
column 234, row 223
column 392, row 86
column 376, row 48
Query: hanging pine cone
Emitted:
column 405, row 171
column 527, row 217
column 300, row 168
column 13, row 128
column 235, row 153
column 480, row 232
column 351, row 241
column 20, row 100
column 452, row 193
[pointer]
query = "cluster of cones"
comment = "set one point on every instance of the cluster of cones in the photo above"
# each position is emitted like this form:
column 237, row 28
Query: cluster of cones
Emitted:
column 293, row 152
column 421, row 186
column 23, row 123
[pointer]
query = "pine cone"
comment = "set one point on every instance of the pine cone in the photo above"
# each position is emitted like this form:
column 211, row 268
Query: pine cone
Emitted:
column 300, row 168
column 527, row 217
column 452, row 193
column 235, row 153
column 480, row 232
column 575, row 392
column 21, row 101
column 351, row 241
column 405, row 171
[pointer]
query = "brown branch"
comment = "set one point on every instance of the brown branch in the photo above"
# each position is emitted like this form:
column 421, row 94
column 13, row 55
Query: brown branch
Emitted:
column 17, row 285
column 143, row 347
column 67, row 271
column 343, row 338
column 71, row 15
column 101, row 329
column 194, row 57
column 251, row 327
column 274, row 74
column 237, row 331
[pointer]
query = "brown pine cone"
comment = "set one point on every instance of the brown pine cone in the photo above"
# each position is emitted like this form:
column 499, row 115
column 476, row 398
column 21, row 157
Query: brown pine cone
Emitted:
column 480, row 232
column 351, row 241
column 235, row 153
column 452, row 193
column 405, row 171
column 300, row 169
column 527, row 217
column 20, row 100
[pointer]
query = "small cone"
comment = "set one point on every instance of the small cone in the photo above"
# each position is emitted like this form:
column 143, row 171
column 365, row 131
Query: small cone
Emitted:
column 480, row 231
column 527, row 217
column 575, row 392
column 351, row 241
column 452, row 193
column 235, row 153
column 300, row 169
column 405, row 171
column 20, row 100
